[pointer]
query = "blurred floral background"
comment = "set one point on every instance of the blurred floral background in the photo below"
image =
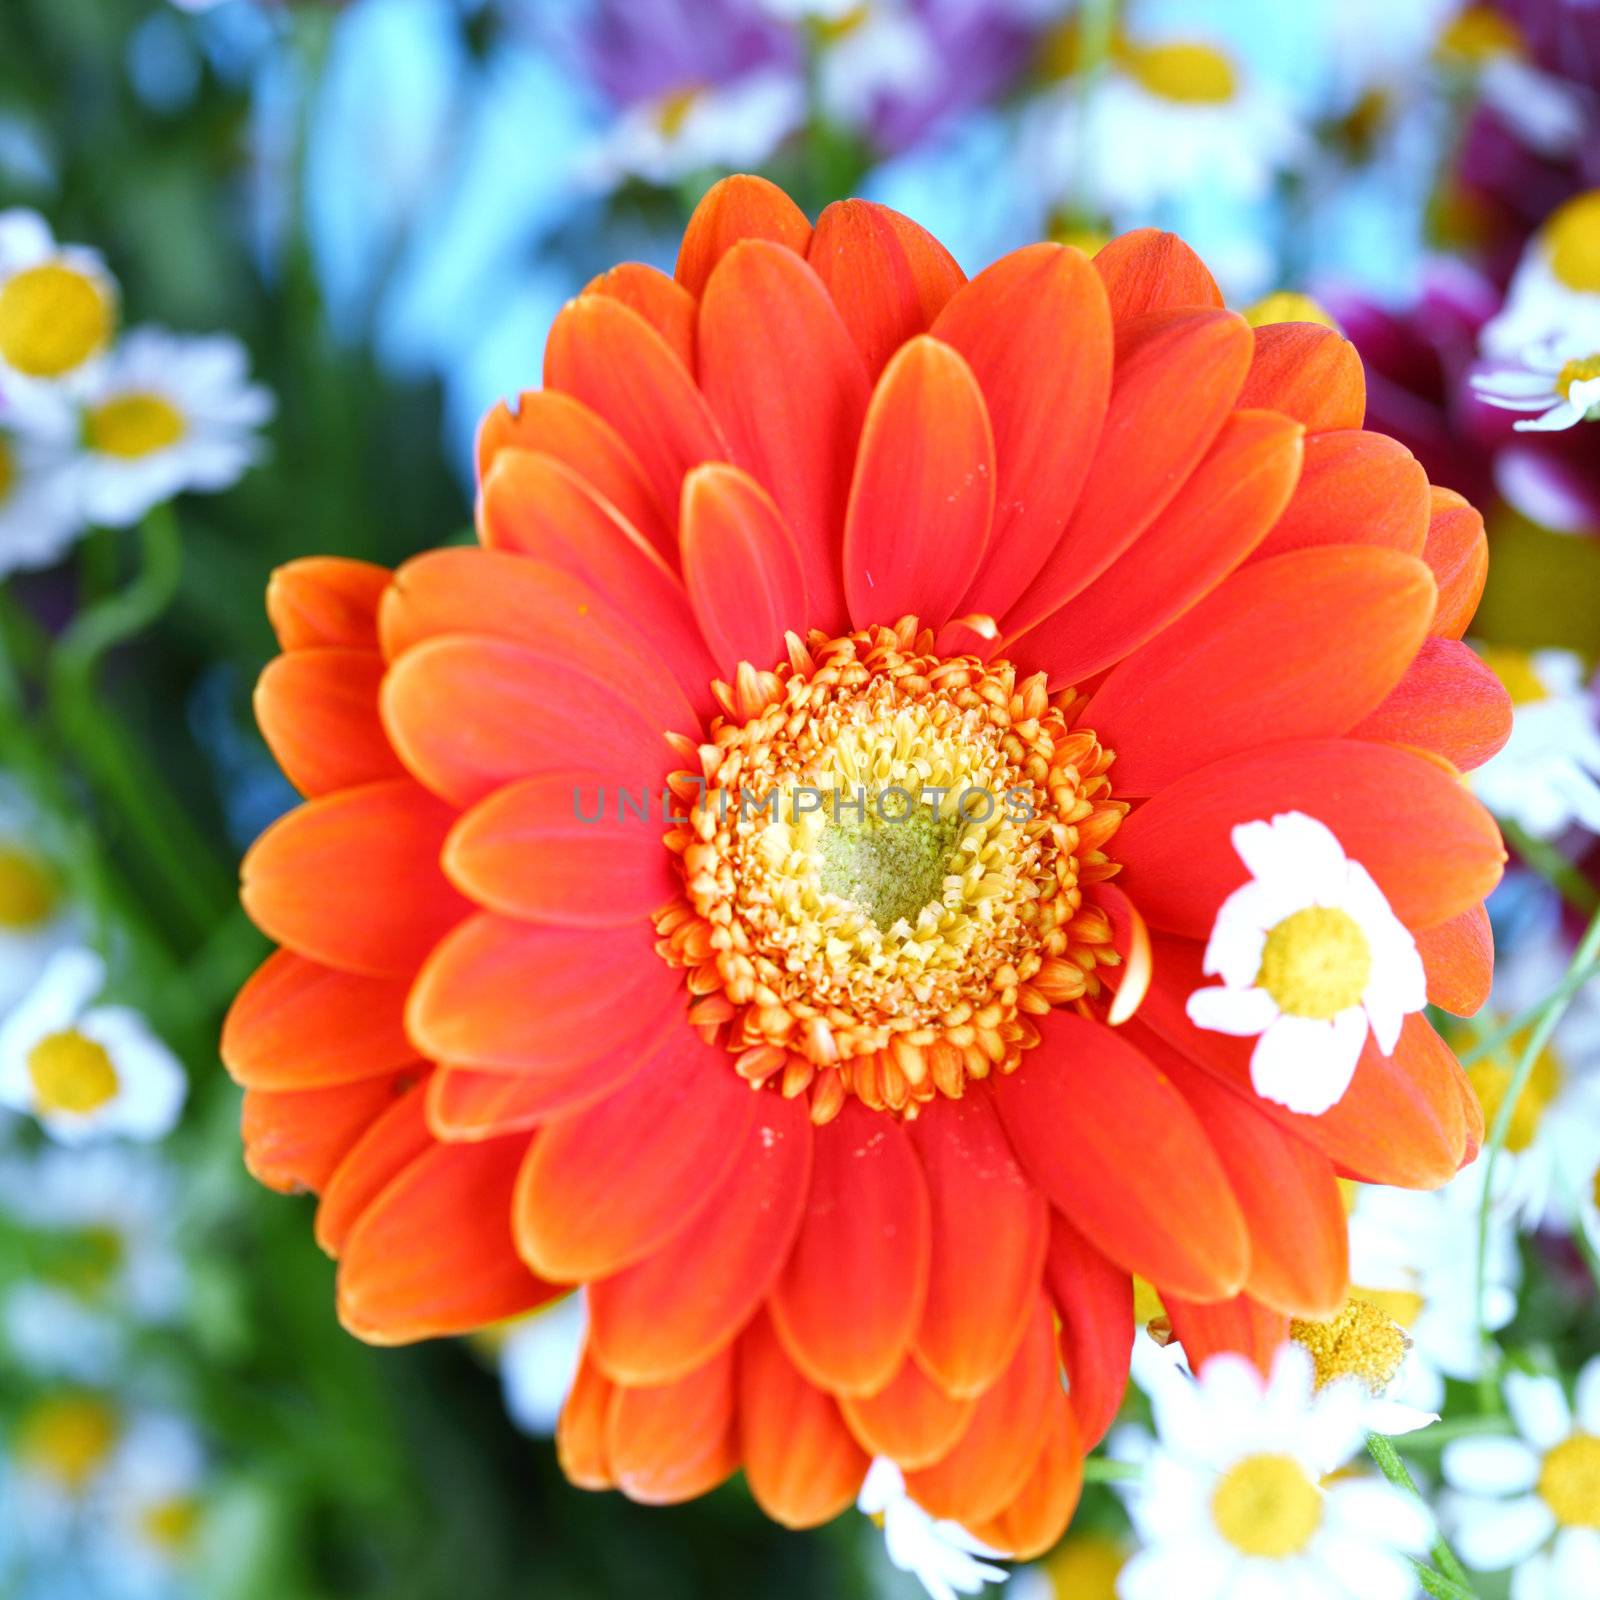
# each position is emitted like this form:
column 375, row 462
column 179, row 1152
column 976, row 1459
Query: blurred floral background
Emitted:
column 263, row 267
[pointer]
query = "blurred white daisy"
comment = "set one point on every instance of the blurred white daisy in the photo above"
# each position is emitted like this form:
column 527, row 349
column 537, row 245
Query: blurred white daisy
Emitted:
column 61, row 1445
column 1533, row 1502
column 1558, row 379
column 165, row 412
column 1311, row 957
column 87, row 1070
column 36, row 917
column 1554, row 295
column 538, row 1356
column 39, row 515
column 1546, row 778
column 1084, row 1566
column 58, row 303
column 873, row 53
column 1236, row 1498
column 943, row 1557
column 149, row 1505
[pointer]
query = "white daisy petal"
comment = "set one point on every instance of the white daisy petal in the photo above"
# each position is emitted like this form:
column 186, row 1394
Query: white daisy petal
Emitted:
column 1496, row 1534
column 1575, row 1562
column 1305, row 1063
column 1587, row 1397
column 1240, row 1012
column 1538, row 1406
column 1490, row 1466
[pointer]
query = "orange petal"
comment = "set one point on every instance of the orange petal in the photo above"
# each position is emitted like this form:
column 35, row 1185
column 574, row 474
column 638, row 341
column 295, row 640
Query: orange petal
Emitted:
column 742, row 568
column 555, row 425
column 739, row 207
column 610, row 358
column 294, row 1140
column 990, row 1463
column 1216, row 519
column 1240, row 1326
column 352, row 880
column 433, row 1254
column 465, row 1106
column 606, row 1187
column 888, row 277
column 1458, row 551
column 390, row 1144
column 581, row 1433
column 533, row 999
column 667, row 306
column 1118, row 1151
column 322, row 602
column 662, row 1317
column 911, row 1419
column 298, row 1025
column 470, row 714
column 1036, row 331
column 561, row 848
column 1459, row 958
column 800, row 1461
column 1355, row 488
column 990, row 1230
column 675, row 1441
column 1094, row 1300
column 1260, row 655
column 1038, row 1515
column 1432, row 848
column 1449, row 703
column 851, row 1295
column 1307, row 372
column 1148, row 270
column 533, row 505
column 318, row 711
column 922, row 499
column 790, row 390
column 1147, row 447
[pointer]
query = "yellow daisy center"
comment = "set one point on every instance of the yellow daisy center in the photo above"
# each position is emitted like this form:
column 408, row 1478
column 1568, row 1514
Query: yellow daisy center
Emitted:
column 1477, row 35
column 1266, row 1506
column 170, row 1524
column 884, row 859
column 1572, row 240
column 90, row 1265
column 1491, row 1079
column 1579, row 370
column 71, row 1074
column 67, row 1439
column 134, row 425
column 1182, row 70
column 1363, row 1341
column 1517, row 673
column 52, row 319
column 1316, row 962
column 1569, row 1481
column 28, row 890
column 830, row 30
column 673, row 108
column 1086, row 1567
column 1403, row 1306
column 8, row 470
column 1287, row 305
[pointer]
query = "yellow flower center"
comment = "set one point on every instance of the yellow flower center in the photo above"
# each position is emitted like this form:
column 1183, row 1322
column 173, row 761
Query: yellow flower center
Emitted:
column 673, row 108
column 170, row 1525
column 884, row 861
column 1266, row 1506
column 52, row 319
column 1572, row 240
column 1477, row 35
column 133, row 425
column 830, row 30
column 67, row 1439
column 1182, row 70
column 1316, row 963
column 1286, row 305
column 8, row 470
column 71, row 1074
column 1517, row 673
column 1086, row 1567
column 89, row 1264
column 1569, row 1481
column 1491, row 1079
column 1579, row 370
column 1363, row 1341
column 28, row 890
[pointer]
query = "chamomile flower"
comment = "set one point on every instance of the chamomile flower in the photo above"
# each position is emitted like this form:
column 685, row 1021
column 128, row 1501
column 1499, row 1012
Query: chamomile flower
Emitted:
column 1554, row 295
column 86, row 1070
column 944, row 1558
column 1363, row 1344
column 36, row 917
column 58, row 304
column 538, row 1357
column 1533, row 1501
column 1546, row 777
column 61, row 1446
column 150, row 1506
column 163, row 413
column 39, row 516
column 1311, row 958
column 1084, row 1566
column 1559, row 380
column 1235, row 1499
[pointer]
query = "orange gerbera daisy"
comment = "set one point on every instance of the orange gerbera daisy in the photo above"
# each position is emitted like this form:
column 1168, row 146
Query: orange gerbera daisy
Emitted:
column 855, row 1120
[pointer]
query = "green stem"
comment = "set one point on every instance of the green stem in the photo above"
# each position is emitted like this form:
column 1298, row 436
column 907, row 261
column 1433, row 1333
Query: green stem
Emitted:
column 1525, row 1018
column 1448, row 1429
column 1102, row 1469
column 1440, row 1587
column 1394, row 1469
column 1555, row 868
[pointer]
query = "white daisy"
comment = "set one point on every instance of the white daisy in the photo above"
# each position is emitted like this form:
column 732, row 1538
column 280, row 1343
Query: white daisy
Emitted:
column 39, row 516
column 538, row 1357
column 1554, row 295
column 1233, row 1503
column 163, row 413
column 874, row 53
column 58, row 304
column 1084, row 1566
column 1546, row 778
column 1533, row 1502
column 149, row 1505
column 87, row 1070
column 36, row 917
column 943, row 1557
column 1310, row 958
column 1558, row 379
